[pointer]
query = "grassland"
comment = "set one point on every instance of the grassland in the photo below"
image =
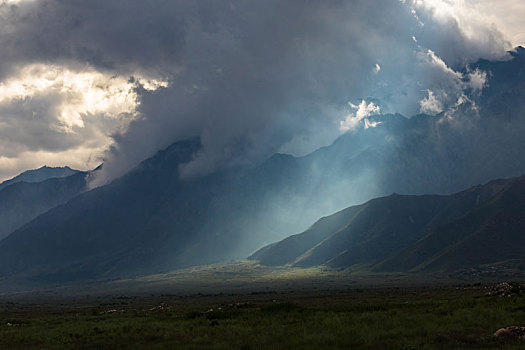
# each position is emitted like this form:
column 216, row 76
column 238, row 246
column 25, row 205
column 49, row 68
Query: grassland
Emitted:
column 445, row 317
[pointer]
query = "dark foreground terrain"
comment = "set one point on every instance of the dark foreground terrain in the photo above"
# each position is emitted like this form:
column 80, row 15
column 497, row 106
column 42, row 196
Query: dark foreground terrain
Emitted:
column 439, row 317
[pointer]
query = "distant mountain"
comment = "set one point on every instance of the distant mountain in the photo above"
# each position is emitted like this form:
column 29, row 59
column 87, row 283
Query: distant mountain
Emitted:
column 118, row 227
column 483, row 225
column 489, row 233
column 40, row 174
column 151, row 220
column 23, row 201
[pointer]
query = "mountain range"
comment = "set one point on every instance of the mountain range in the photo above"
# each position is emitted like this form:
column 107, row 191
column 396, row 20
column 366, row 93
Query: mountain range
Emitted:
column 34, row 192
column 153, row 220
column 401, row 233
column 39, row 175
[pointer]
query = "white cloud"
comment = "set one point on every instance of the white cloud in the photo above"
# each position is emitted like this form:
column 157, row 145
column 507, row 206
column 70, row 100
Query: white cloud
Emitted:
column 477, row 79
column 360, row 112
column 81, row 92
column 448, row 87
column 474, row 22
column 470, row 21
column 372, row 124
column 436, row 61
column 506, row 15
column 50, row 112
column 430, row 104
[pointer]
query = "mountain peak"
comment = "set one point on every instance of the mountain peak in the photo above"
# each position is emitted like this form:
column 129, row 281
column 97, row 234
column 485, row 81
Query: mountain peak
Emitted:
column 41, row 174
column 46, row 167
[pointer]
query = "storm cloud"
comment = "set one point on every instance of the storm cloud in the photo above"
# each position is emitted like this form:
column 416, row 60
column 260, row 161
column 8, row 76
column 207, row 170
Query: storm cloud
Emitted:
column 249, row 78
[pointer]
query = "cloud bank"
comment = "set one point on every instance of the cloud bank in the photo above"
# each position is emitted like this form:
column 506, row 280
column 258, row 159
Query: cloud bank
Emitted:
column 248, row 77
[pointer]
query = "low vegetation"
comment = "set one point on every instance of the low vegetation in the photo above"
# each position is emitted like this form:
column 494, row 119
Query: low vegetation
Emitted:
column 461, row 317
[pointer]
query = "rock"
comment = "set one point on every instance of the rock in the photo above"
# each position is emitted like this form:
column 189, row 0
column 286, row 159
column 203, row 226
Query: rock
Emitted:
column 507, row 290
column 511, row 332
column 161, row 307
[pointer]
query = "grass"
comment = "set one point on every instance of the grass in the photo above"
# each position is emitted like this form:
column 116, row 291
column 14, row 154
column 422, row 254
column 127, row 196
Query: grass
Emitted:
column 382, row 318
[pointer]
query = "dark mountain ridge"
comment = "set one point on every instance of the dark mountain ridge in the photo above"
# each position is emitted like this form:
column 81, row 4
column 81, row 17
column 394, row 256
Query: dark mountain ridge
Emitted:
column 39, row 175
column 21, row 201
column 489, row 233
column 481, row 225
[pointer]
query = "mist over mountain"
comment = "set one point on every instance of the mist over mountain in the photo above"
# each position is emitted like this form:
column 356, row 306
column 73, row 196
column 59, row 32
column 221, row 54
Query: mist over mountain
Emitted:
column 154, row 219
column 482, row 225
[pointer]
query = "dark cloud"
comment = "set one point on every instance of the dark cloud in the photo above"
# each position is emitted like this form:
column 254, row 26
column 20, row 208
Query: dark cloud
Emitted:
column 249, row 77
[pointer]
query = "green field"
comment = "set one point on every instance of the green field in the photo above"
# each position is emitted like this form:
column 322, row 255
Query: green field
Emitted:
column 453, row 317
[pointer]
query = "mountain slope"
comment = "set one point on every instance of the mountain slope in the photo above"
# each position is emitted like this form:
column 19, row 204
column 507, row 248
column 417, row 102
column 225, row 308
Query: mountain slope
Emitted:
column 23, row 201
column 38, row 175
column 113, row 223
column 490, row 233
column 370, row 232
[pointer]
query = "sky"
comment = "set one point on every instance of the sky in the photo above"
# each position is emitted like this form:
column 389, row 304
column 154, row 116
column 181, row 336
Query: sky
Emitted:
column 86, row 82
